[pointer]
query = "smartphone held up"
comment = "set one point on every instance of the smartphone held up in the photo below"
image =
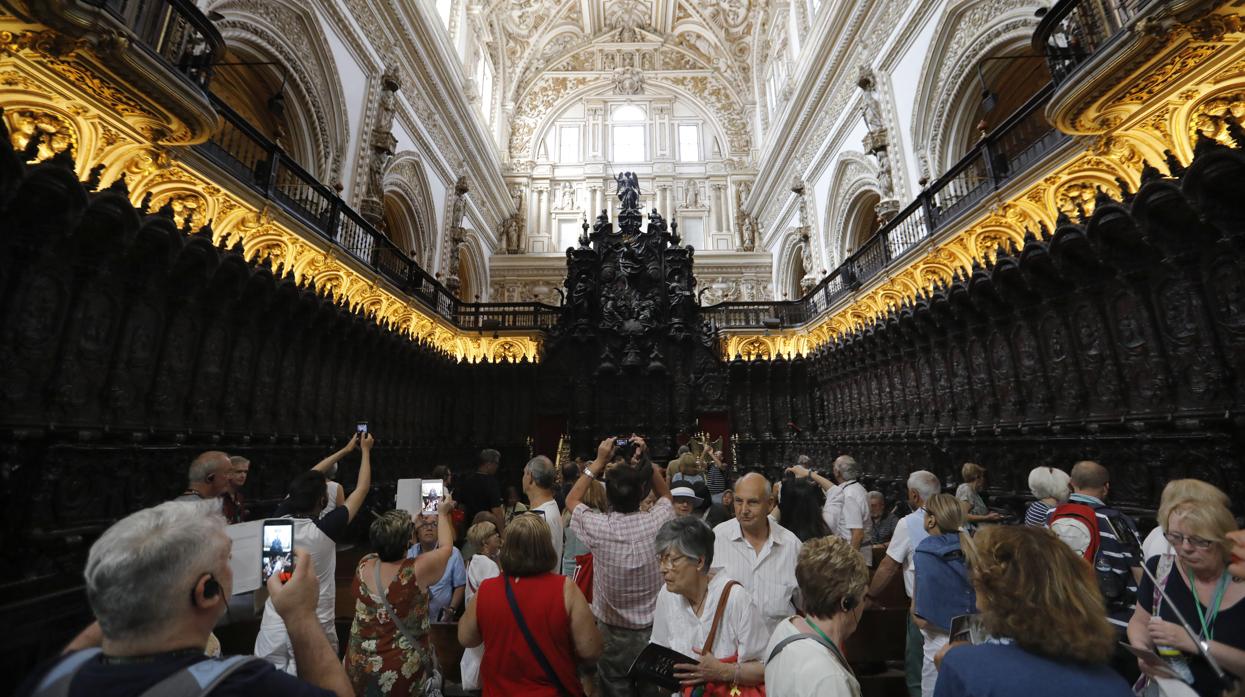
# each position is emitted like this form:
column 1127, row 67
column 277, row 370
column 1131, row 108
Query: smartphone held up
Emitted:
column 277, row 553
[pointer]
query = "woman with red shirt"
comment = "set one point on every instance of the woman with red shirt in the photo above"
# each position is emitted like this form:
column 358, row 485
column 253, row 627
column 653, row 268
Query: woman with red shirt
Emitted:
column 560, row 625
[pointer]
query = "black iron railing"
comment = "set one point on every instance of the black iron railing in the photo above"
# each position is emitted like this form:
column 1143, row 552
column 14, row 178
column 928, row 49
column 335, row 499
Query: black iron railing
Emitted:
column 1002, row 155
column 174, row 30
column 1074, row 30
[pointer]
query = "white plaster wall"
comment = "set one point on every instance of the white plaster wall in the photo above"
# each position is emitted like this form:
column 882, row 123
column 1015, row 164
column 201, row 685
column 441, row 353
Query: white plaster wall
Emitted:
column 437, row 187
column 905, row 78
column 352, row 72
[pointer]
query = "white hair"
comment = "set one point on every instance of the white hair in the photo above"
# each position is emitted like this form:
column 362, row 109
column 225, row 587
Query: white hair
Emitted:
column 1050, row 482
column 804, row 460
column 924, row 483
column 210, row 462
column 877, row 495
column 847, row 467
column 542, row 472
column 141, row 571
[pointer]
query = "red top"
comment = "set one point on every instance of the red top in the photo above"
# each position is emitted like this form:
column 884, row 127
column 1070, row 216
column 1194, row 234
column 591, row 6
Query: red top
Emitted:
column 509, row 667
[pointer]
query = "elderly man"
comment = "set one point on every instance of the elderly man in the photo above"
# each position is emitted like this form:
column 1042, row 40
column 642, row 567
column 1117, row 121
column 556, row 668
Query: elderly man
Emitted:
column 884, row 521
column 445, row 597
column 539, row 479
column 909, row 533
column 233, row 506
column 757, row 552
column 208, row 477
column 158, row 581
column 625, row 577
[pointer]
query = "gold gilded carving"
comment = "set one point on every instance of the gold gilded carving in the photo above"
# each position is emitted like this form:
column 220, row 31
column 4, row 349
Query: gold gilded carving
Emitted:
column 56, row 134
column 1210, row 117
column 1145, row 86
column 46, row 42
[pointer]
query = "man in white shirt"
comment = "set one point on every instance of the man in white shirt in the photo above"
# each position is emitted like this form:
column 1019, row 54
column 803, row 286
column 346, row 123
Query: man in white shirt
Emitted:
column 758, row 552
column 855, row 523
column 539, row 480
column 908, row 534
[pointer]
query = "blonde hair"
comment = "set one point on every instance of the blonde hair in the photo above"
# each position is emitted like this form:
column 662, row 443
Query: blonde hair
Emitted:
column 1181, row 490
column 480, row 532
column 1209, row 520
column 948, row 514
column 971, row 472
column 593, row 498
column 527, row 547
column 832, row 576
column 1033, row 588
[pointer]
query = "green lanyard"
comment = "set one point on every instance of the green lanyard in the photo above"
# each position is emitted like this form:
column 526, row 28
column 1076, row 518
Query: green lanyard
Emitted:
column 834, row 647
column 1208, row 620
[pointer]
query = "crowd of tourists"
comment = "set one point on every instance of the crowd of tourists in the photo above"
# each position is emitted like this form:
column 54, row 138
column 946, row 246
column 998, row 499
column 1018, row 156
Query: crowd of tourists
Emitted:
column 624, row 577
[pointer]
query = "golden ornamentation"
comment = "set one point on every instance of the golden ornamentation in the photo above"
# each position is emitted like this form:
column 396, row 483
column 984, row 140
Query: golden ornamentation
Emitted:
column 57, row 134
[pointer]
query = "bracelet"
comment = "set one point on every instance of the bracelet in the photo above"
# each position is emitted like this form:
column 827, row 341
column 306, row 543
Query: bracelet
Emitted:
column 735, row 680
column 588, row 473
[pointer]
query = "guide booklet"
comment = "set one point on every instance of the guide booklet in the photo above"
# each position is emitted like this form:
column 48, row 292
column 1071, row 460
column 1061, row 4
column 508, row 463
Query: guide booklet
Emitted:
column 655, row 664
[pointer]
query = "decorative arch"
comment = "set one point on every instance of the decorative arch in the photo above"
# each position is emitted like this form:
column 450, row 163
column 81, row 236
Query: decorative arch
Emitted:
column 853, row 183
column 408, row 208
column 473, row 274
column 289, row 33
column 789, row 267
column 947, row 91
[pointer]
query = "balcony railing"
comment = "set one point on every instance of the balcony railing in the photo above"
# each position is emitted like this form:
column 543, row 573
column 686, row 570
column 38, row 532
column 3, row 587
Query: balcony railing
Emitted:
column 1074, row 30
column 1002, row 155
column 174, row 30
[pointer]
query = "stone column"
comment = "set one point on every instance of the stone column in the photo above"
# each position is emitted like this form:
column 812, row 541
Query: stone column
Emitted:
column 542, row 222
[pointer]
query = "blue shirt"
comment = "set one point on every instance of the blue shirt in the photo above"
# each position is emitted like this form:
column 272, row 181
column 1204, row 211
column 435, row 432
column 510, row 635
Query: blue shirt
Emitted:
column 998, row 670
column 441, row 592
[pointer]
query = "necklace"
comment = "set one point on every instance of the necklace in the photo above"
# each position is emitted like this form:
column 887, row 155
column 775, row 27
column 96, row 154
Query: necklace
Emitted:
column 834, row 648
column 151, row 658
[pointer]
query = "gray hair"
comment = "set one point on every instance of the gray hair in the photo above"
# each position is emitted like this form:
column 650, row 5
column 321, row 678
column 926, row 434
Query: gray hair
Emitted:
column 924, row 483
column 877, row 495
column 804, row 460
column 210, row 462
column 1050, row 482
column 847, row 467
column 541, row 471
column 684, row 449
column 689, row 536
column 139, row 572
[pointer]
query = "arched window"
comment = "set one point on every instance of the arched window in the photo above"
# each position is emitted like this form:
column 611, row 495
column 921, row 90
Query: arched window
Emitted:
column 1011, row 80
column 862, row 222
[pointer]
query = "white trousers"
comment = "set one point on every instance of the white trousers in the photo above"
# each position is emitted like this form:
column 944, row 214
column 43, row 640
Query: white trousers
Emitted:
column 934, row 641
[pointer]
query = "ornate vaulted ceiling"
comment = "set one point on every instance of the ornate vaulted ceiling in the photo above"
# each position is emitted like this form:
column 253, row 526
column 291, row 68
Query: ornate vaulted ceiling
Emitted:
column 546, row 50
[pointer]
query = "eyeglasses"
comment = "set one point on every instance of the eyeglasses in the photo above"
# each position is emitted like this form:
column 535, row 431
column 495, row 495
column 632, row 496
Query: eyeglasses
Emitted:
column 1178, row 540
column 668, row 563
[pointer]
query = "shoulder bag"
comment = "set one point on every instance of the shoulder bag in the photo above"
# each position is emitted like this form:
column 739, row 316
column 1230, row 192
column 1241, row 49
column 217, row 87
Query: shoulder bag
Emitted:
column 531, row 641
column 722, row 689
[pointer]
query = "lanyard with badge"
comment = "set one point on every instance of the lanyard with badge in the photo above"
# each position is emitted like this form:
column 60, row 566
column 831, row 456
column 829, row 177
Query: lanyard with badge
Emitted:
column 1212, row 611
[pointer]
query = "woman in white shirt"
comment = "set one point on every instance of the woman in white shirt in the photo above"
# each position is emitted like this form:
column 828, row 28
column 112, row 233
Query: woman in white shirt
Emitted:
column 804, row 657
column 688, row 603
column 483, row 566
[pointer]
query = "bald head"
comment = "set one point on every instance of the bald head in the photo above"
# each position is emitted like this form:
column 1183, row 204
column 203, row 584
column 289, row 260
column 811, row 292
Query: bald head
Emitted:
column 209, row 473
column 754, row 499
column 753, row 484
column 1090, row 478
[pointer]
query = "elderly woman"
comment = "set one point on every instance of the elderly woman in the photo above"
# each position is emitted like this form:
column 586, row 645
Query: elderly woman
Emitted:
column 1202, row 588
column 485, row 538
column 941, row 589
column 1051, row 487
column 974, row 476
column 1177, row 491
column 389, row 650
column 535, row 625
column 1041, row 605
column 833, row 579
column 703, row 614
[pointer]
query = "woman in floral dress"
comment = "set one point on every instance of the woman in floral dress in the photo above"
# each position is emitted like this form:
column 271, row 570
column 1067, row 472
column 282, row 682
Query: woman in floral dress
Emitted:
column 383, row 658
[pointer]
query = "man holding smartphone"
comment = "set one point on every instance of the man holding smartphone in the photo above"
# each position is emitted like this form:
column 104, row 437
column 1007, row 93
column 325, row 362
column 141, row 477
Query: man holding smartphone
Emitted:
column 158, row 581
column 319, row 536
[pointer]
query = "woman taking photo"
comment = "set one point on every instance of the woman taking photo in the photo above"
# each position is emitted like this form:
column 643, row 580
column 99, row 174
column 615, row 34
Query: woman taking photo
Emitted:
column 705, row 615
column 941, row 590
column 1041, row 605
column 389, row 650
column 529, row 600
column 804, row 657
column 1198, row 582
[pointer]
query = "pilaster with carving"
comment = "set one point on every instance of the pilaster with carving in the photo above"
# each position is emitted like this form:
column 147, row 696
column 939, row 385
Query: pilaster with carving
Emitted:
column 877, row 143
column 382, row 147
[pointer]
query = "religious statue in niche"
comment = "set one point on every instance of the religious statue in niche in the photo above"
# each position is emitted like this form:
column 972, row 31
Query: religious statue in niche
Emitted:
column 383, row 145
column 566, row 196
column 691, row 195
column 877, row 142
column 628, row 80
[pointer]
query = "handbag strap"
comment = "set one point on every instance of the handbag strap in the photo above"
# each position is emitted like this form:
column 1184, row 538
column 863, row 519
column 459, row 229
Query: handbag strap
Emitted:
column 531, row 641
column 383, row 593
column 717, row 617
